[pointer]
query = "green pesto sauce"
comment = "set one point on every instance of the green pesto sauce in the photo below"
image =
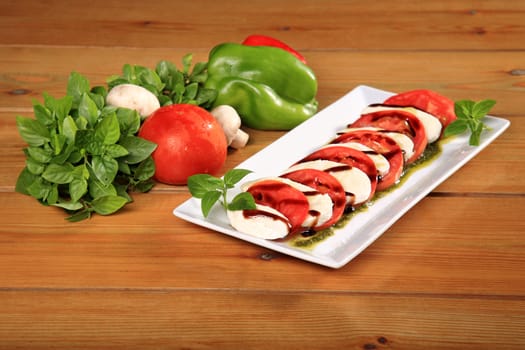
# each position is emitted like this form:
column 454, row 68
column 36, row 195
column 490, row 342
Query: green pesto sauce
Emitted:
column 431, row 152
column 310, row 240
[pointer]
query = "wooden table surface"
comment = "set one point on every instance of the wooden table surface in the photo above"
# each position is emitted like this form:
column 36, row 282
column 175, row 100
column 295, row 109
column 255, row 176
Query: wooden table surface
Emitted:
column 450, row 274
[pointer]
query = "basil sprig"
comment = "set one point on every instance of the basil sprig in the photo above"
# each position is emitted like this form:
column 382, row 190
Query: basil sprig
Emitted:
column 170, row 84
column 211, row 189
column 82, row 155
column 470, row 115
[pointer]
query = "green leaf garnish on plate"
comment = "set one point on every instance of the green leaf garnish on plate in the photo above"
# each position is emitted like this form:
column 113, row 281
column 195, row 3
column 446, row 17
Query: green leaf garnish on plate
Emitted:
column 210, row 189
column 470, row 116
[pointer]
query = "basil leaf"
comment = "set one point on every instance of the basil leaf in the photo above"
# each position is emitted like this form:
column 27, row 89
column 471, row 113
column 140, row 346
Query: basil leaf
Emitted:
column 77, row 86
column 52, row 195
column 32, row 131
column 66, row 155
column 40, row 154
column 128, row 120
column 79, row 216
column 57, row 142
column 151, row 78
column 208, row 200
column 145, row 170
column 86, row 140
column 463, row 109
column 186, row 63
column 82, row 123
column 191, row 91
column 116, row 151
column 242, row 201
column 34, row 167
column 124, row 167
column 234, row 176
column 116, row 80
column 59, row 174
column 107, row 130
column 205, row 97
column 165, row 69
column 81, row 172
column 200, row 184
column 138, row 148
column 458, row 126
column 69, row 205
column 38, row 188
column 108, row 204
column 101, row 91
column 198, row 69
column 105, row 168
column 144, row 186
column 60, row 107
column 129, row 73
column 482, row 108
column 69, row 129
column 24, row 180
column 43, row 115
column 98, row 189
column 78, row 188
column 88, row 109
column 122, row 192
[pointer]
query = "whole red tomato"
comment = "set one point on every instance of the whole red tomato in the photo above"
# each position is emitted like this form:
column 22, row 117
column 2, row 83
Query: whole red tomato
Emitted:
column 189, row 141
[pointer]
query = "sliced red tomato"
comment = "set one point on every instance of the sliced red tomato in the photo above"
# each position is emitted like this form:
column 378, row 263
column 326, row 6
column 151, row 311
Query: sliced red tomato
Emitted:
column 383, row 145
column 324, row 183
column 398, row 121
column 427, row 100
column 348, row 156
column 284, row 198
column 263, row 40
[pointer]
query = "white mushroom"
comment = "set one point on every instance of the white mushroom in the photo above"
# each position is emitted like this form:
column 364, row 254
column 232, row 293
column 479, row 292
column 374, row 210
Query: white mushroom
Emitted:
column 133, row 97
column 230, row 121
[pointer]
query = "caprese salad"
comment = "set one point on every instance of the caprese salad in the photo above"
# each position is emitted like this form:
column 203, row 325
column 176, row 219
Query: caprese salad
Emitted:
column 368, row 156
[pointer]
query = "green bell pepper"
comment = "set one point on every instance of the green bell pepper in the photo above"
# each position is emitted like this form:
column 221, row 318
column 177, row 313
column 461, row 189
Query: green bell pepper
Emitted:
column 270, row 88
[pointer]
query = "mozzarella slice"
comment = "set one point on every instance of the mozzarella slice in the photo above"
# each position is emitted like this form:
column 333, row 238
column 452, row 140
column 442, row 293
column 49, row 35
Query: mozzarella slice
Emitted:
column 431, row 124
column 263, row 222
column 320, row 203
column 404, row 142
column 355, row 182
column 380, row 161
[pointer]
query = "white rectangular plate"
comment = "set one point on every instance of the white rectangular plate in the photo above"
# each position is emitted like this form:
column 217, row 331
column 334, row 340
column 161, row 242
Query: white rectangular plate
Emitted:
column 366, row 226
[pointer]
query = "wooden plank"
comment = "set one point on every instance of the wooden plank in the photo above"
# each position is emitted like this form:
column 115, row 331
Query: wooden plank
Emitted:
column 443, row 245
column 188, row 319
column 308, row 26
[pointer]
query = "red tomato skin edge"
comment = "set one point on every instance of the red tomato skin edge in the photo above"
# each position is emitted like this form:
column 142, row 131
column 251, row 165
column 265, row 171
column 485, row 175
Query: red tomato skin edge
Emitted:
column 429, row 101
column 284, row 198
column 324, row 183
column 394, row 156
column 350, row 156
column 264, row 40
column 416, row 132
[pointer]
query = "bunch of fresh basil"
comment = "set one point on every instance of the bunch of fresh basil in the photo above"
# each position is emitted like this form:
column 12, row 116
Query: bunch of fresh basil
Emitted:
column 170, row 84
column 83, row 155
